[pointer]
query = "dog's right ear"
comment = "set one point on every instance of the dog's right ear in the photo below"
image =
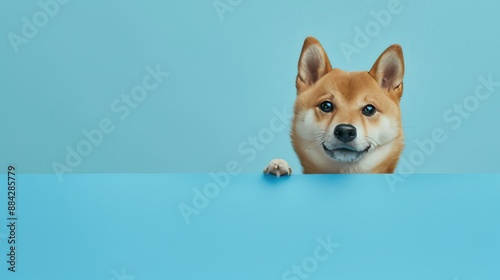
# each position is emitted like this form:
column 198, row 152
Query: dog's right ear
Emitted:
column 313, row 64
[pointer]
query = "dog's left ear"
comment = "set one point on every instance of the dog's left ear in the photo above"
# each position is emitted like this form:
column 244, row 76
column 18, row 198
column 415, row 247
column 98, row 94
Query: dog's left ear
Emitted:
column 389, row 70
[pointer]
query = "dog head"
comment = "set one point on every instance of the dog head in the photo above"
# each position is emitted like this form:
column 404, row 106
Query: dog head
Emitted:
column 347, row 121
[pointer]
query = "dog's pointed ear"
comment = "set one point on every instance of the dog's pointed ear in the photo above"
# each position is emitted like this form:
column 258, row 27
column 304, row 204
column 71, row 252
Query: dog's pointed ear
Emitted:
column 389, row 70
column 313, row 64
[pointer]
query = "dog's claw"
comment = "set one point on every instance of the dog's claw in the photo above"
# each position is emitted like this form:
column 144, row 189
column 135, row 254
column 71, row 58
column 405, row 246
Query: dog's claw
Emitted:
column 278, row 167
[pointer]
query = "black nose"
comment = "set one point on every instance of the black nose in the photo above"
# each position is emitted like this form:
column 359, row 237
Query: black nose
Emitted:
column 345, row 132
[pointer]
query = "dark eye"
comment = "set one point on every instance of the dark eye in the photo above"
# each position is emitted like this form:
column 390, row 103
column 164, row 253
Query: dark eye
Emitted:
column 369, row 110
column 326, row 106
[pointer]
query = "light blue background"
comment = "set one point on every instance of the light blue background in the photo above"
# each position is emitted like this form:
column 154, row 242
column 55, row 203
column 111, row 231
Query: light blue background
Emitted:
column 430, row 227
column 227, row 76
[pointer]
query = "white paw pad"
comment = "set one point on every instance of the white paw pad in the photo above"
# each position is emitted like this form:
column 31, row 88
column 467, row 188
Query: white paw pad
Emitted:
column 278, row 167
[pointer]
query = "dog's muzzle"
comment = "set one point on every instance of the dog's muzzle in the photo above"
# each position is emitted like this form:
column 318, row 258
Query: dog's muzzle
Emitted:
column 343, row 148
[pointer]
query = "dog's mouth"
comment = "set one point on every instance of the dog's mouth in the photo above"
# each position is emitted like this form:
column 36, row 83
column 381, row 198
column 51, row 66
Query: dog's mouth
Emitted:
column 345, row 153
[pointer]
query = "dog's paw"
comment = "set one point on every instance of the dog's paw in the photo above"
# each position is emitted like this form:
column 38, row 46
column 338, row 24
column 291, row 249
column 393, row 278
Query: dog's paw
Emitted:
column 278, row 167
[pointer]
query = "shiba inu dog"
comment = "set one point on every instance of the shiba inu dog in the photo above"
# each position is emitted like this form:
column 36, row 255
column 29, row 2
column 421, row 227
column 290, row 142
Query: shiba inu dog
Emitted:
column 346, row 122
